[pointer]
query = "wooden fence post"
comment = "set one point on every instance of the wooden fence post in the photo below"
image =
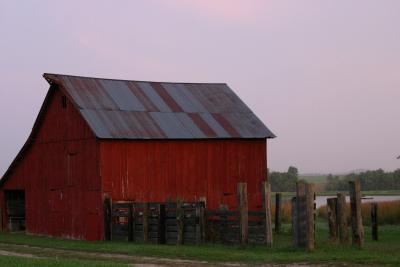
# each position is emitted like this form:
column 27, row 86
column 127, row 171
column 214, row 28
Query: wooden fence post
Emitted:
column 107, row 219
column 332, row 220
column 203, row 219
column 145, row 222
column 161, row 224
column 223, row 228
column 301, row 210
column 130, row 222
column 374, row 221
column 341, row 218
column 278, row 212
column 243, row 213
column 356, row 219
column 200, row 223
column 310, row 217
column 179, row 220
column 295, row 227
column 266, row 192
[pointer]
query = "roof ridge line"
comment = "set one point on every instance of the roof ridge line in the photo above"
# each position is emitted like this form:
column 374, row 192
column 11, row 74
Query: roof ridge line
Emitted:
column 46, row 74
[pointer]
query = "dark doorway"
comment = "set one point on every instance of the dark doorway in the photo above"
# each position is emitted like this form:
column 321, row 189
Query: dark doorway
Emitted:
column 15, row 201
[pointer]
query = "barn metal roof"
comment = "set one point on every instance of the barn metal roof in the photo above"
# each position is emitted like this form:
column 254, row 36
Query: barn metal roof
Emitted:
column 121, row 109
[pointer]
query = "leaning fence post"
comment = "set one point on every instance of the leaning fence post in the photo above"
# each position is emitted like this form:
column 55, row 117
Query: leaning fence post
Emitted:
column 243, row 213
column 341, row 218
column 356, row 219
column 374, row 221
column 310, row 217
column 145, row 222
column 266, row 192
column 332, row 220
column 278, row 212
column 107, row 219
column 179, row 220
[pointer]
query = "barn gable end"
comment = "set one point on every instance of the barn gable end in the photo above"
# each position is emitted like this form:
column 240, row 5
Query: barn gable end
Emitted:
column 58, row 171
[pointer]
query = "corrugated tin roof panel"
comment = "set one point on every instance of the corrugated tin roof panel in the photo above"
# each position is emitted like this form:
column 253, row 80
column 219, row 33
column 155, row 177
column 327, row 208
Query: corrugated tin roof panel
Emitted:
column 215, row 125
column 171, row 125
column 154, row 97
column 190, row 125
column 95, row 123
column 122, row 95
column 117, row 109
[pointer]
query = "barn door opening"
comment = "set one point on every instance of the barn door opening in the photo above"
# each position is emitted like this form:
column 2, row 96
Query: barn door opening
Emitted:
column 15, row 201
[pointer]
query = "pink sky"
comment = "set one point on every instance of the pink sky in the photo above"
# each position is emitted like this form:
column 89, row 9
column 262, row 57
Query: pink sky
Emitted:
column 322, row 75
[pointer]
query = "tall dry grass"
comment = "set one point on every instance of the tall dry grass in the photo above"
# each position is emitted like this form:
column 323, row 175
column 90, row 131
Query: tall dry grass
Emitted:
column 286, row 209
column 388, row 212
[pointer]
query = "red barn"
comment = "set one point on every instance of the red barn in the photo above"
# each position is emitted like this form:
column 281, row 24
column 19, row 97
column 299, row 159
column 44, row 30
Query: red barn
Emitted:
column 130, row 140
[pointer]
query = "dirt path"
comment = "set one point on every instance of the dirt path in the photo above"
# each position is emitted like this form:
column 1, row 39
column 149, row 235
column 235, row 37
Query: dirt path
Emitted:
column 137, row 261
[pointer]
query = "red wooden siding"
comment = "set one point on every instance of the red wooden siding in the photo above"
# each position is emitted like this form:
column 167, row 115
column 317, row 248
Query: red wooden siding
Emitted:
column 156, row 170
column 60, row 175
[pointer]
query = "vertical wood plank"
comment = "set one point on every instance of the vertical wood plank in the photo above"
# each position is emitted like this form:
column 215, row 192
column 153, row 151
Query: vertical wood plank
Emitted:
column 107, row 218
column 180, row 220
column 356, row 219
column 145, row 221
column 278, row 212
column 341, row 218
column 130, row 222
column 332, row 220
column 310, row 217
column 161, row 224
column 243, row 213
column 266, row 192
column 374, row 221
column 295, row 228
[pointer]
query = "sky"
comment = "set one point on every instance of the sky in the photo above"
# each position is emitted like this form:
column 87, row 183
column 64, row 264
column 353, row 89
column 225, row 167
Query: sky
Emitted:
column 322, row 75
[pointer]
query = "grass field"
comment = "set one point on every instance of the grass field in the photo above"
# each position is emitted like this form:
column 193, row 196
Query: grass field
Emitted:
column 33, row 262
column 58, row 252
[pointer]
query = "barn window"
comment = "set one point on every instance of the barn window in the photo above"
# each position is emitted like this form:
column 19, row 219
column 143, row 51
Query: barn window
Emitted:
column 64, row 101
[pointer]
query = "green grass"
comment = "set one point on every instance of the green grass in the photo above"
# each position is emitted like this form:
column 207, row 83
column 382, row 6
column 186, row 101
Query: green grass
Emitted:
column 13, row 261
column 384, row 252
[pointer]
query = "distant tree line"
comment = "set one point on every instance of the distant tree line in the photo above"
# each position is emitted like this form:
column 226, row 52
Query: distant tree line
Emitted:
column 283, row 181
column 370, row 180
